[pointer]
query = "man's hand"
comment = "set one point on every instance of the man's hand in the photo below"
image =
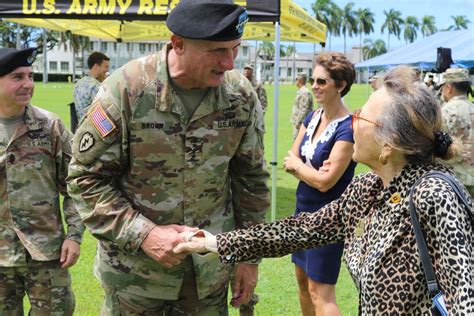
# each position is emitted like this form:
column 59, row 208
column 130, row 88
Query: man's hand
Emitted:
column 70, row 252
column 160, row 242
column 244, row 283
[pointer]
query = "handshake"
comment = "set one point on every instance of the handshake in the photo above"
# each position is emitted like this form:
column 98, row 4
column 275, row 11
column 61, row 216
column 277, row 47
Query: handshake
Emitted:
column 170, row 244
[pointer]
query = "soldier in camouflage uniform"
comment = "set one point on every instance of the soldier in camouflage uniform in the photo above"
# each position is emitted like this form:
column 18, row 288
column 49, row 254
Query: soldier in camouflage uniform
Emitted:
column 86, row 88
column 257, row 85
column 34, row 156
column 458, row 116
column 173, row 139
column 303, row 104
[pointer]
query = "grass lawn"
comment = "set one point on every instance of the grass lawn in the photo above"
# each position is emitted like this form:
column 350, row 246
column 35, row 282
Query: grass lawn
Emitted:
column 277, row 284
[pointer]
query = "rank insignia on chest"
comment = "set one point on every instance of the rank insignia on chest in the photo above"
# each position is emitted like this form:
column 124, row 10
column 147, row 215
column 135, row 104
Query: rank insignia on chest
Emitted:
column 395, row 198
column 359, row 230
column 101, row 121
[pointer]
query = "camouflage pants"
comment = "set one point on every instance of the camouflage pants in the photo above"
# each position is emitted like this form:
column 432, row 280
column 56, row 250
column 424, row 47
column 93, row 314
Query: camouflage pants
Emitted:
column 47, row 285
column 119, row 303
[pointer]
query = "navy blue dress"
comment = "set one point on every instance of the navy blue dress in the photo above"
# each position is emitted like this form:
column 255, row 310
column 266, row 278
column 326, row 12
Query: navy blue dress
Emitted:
column 322, row 264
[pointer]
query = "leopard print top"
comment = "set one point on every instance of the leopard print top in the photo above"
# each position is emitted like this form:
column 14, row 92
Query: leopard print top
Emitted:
column 380, row 249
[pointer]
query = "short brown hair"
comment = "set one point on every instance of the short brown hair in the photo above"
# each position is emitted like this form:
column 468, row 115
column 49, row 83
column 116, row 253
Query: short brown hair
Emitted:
column 339, row 68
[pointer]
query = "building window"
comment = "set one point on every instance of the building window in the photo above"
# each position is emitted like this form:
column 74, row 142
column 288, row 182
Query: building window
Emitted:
column 115, row 46
column 288, row 72
column 128, row 47
column 149, row 48
column 245, row 51
column 300, row 70
column 104, row 46
column 158, row 48
column 53, row 65
column 92, row 46
column 64, row 66
column 141, row 47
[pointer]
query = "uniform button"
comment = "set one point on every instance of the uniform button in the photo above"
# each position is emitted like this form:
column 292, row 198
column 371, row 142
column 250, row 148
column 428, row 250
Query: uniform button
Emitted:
column 11, row 158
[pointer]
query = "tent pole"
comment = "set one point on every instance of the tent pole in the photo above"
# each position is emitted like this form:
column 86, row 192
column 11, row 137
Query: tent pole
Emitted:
column 276, row 83
column 45, row 59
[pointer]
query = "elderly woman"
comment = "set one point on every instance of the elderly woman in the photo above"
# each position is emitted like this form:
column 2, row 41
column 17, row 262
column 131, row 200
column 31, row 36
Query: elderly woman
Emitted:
column 325, row 136
column 397, row 135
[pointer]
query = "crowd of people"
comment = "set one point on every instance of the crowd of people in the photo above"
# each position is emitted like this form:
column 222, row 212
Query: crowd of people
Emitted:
column 167, row 171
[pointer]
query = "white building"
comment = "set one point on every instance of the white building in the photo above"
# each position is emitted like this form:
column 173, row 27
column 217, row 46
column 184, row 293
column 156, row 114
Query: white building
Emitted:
column 60, row 60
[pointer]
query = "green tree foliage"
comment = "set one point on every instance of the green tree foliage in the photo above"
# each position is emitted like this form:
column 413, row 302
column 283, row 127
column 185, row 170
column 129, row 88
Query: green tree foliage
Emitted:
column 410, row 29
column 460, row 22
column 349, row 23
column 392, row 23
column 29, row 36
column 428, row 25
column 365, row 23
column 372, row 49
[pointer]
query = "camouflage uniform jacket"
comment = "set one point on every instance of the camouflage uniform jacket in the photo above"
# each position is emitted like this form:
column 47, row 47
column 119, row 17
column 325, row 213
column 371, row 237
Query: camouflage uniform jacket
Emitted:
column 458, row 117
column 33, row 170
column 302, row 107
column 158, row 166
column 261, row 93
column 84, row 92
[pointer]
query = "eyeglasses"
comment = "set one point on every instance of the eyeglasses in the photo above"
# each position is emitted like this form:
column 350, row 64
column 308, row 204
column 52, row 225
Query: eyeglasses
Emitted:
column 321, row 81
column 356, row 116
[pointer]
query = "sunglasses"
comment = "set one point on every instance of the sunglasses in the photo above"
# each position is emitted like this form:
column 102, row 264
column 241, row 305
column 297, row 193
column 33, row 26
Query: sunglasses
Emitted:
column 356, row 116
column 321, row 81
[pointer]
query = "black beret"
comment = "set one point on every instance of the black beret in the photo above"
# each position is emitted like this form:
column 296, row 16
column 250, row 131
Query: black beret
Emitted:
column 12, row 58
column 213, row 20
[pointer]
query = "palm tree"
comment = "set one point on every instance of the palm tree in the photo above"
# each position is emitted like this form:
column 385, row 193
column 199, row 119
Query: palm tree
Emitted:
column 392, row 23
column 268, row 51
column 410, row 29
column 365, row 25
column 460, row 22
column 372, row 49
column 76, row 43
column 428, row 26
column 321, row 10
column 329, row 13
column 349, row 24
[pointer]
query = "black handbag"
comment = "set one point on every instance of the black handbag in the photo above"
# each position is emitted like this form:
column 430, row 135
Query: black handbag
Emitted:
column 433, row 287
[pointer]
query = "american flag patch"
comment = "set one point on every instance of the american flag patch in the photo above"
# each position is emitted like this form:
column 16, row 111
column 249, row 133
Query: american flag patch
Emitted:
column 101, row 121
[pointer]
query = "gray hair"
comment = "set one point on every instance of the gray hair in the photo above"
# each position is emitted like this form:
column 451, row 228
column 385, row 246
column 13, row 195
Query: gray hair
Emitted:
column 410, row 118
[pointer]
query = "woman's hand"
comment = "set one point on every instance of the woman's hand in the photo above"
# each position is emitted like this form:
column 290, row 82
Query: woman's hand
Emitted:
column 292, row 163
column 198, row 242
column 325, row 167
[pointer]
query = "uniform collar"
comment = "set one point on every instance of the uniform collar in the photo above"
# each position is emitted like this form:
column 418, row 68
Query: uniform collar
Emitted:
column 459, row 97
column 167, row 101
column 31, row 118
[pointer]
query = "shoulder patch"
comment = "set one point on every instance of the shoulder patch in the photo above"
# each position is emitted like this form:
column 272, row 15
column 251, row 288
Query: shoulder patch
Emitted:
column 101, row 121
column 86, row 142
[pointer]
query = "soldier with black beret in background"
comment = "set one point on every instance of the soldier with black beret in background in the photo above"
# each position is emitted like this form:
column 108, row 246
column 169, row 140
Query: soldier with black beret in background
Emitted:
column 172, row 141
column 35, row 152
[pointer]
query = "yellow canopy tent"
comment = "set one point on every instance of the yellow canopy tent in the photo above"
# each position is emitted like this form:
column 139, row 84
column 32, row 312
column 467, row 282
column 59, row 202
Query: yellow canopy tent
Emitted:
column 128, row 20
column 138, row 20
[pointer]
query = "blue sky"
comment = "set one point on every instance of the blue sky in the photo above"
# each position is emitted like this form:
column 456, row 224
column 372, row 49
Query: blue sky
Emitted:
column 442, row 10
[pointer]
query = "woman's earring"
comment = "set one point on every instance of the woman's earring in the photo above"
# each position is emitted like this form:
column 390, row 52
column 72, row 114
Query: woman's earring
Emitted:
column 382, row 159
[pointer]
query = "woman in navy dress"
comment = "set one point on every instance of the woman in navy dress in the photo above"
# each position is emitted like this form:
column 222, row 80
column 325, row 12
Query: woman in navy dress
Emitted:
column 321, row 159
